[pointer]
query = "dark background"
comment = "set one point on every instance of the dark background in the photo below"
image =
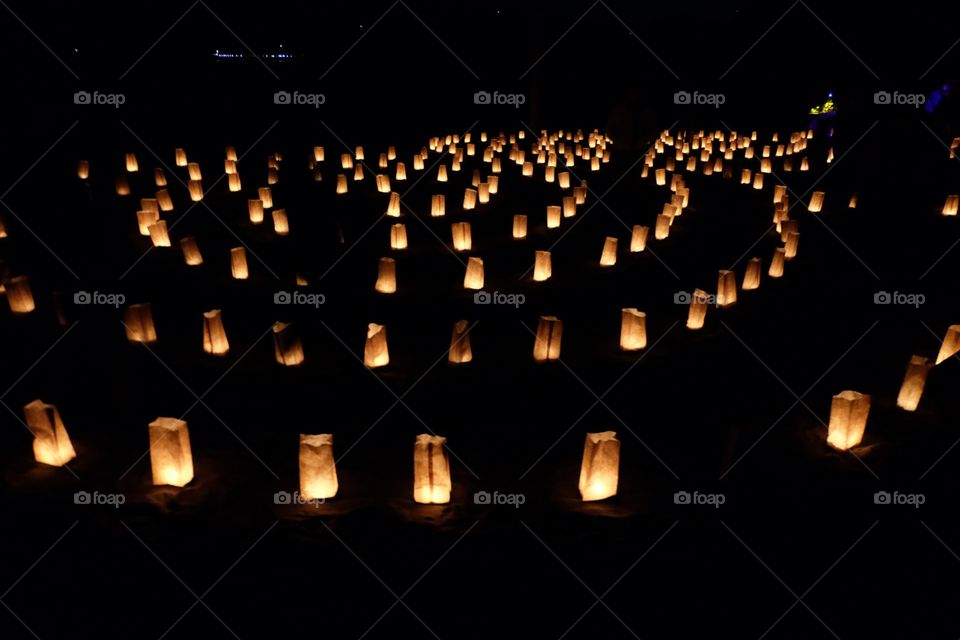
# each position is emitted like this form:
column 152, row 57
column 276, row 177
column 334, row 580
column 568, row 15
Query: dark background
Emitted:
column 713, row 411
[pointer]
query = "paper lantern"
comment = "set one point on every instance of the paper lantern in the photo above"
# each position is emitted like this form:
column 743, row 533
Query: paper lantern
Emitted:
column 580, row 194
column 442, row 173
column 563, row 179
column 358, row 153
column 229, row 166
column 913, row 383
column 460, row 351
column 318, row 469
column 131, row 163
column 146, row 218
column 393, row 205
column 287, row 348
column 375, row 352
column 358, row 176
column 816, row 202
column 698, row 309
column 758, row 181
column 438, row 205
column 745, row 176
column 848, row 419
column 138, row 321
column 431, row 470
column 51, row 444
column 150, row 204
column 462, row 238
column 255, row 210
column 569, row 207
column 341, row 184
column 158, row 234
column 383, row 182
column 170, row 457
column 519, row 226
column 193, row 170
column 804, row 165
column 726, row 289
column 600, row 470
column 346, row 161
column 633, row 329
column 266, row 197
column 779, row 190
column 751, row 277
column 164, row 201
column 638, row 238
column 19, row 295
column 553, row 216
column 483, row 193
column 318, row 154
column 398, row 236
column 776, row 265
column 661, row 175
column 281, row 225
column 662, row 229
column 238, row 263
column 473, row 278
column 231, row 153
column 793, row 241
column 121, row 186
column 214, row 335
column 527, row 170
column 233, row 182
column 950, row 346
column 180, row 157
column 469, row 199
column 196, row 190
column 853, row 202
column 950, row 206
column 83, row 169
column 608, row 257
column 547, row 343
column 387, row 276
column 191, row 252
column 542, row 267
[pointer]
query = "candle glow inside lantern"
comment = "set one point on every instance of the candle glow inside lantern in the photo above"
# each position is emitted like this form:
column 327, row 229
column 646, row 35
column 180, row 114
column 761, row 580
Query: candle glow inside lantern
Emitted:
column 462, row 239
column 281, row 224
column 600, row 470
column 751, row 277
column 318, row 469
column 816, row 202
column 790, row 248
column 214, row 335
column 949, row 347
column 238, row 263
column 519, row 226
column 195, row 187
column 913, row 382
column 473, row 278
column 633, row 329
column 848, row 419
column 438, row 206
column 51, row 444
column 608, row 257
column 159, row 234
column 726, row 288
column 776, row 265
column 398, row 236
column 341, row 184
column 542, row 266
column 431, row 470
column 638, row 238
column 170, row 457
column 553, row 216
column 20, row 295
column 387, row 276
column 191, row 252
column 698, row 309
column 375, row 352
column 266, row 197
column 233, row 183
column 460, row 350
column 287, row 347
column 138, row 321
column 131, row 163
column 546, row 346
column 255, row 210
